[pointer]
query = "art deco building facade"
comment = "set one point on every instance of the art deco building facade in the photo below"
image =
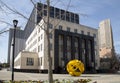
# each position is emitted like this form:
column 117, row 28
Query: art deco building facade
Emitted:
column 68, row 40
column 106, row 48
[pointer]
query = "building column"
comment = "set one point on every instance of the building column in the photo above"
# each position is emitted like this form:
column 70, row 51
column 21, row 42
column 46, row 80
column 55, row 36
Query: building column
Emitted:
column 86, row 55
column 72, row 48
column 56, row 50
column 65, row 49
column 93, row 53
column 80, row 48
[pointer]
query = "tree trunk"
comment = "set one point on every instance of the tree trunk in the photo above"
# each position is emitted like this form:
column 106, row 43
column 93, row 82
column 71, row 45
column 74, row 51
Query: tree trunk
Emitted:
column 50, row 73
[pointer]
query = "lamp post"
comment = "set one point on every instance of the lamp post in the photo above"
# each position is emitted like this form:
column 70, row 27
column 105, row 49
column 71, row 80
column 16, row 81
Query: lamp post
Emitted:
column 15, row 22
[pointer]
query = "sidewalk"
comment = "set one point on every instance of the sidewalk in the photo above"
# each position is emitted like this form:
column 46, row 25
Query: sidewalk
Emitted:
column 100, row 78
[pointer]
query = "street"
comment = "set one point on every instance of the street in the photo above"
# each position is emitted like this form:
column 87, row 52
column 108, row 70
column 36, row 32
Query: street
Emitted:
column 100, row 78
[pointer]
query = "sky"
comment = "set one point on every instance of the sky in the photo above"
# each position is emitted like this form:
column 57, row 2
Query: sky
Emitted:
column 91, row 12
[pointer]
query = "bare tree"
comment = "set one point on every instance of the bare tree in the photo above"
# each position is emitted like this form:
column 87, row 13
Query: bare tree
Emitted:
column 50, row 76
column 110, row 63
column 114, row 62
column 50, row 73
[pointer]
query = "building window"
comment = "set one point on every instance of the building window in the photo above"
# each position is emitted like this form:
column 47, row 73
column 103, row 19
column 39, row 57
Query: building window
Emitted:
column 88, row 33
column 76, row 49
column 50, row 46
column 60, row 27
column 76, row 18
column 68, row 29
column 67, row 16
column 41, row 47
column 68, row 38
column 52, row 12
column 60, row 37
column 50, row 35
column 76, row 39
column 38, row 29
column 75, row 30
column 83, row 43
column 41, row 36
column 30, row 61
column 34, row 50
column 40, row 61
column 57, row 13
column 62, row 14
column 38, row 48
column 61, row 48
column 94, row 35
column 82, row 32
column 50, row 26
column 45, row 10
column 72, row 17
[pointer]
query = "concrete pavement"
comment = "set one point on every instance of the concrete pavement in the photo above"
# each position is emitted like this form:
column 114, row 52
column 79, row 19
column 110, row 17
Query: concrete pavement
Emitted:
column 100, row 78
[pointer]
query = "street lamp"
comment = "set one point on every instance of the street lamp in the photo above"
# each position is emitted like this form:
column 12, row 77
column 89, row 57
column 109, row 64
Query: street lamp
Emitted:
column 15, row 22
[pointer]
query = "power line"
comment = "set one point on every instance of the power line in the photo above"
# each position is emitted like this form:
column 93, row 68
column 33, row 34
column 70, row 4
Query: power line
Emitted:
column 4, row 32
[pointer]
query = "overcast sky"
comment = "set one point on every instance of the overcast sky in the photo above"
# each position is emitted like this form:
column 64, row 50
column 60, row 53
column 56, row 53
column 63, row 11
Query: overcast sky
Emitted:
column 91, row 13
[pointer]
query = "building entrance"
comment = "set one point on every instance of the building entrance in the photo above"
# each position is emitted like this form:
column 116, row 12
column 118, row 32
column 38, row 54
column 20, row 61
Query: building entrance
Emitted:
column 69, row 46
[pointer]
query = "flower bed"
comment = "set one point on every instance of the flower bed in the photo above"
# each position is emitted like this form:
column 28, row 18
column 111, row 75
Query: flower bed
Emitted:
column 55, row 81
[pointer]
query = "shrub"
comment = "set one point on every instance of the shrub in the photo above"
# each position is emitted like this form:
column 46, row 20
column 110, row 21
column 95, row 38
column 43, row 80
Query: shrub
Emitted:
column 55, row 81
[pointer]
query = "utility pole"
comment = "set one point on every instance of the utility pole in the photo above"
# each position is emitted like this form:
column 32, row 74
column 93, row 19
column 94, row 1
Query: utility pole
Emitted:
column 50, row 73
